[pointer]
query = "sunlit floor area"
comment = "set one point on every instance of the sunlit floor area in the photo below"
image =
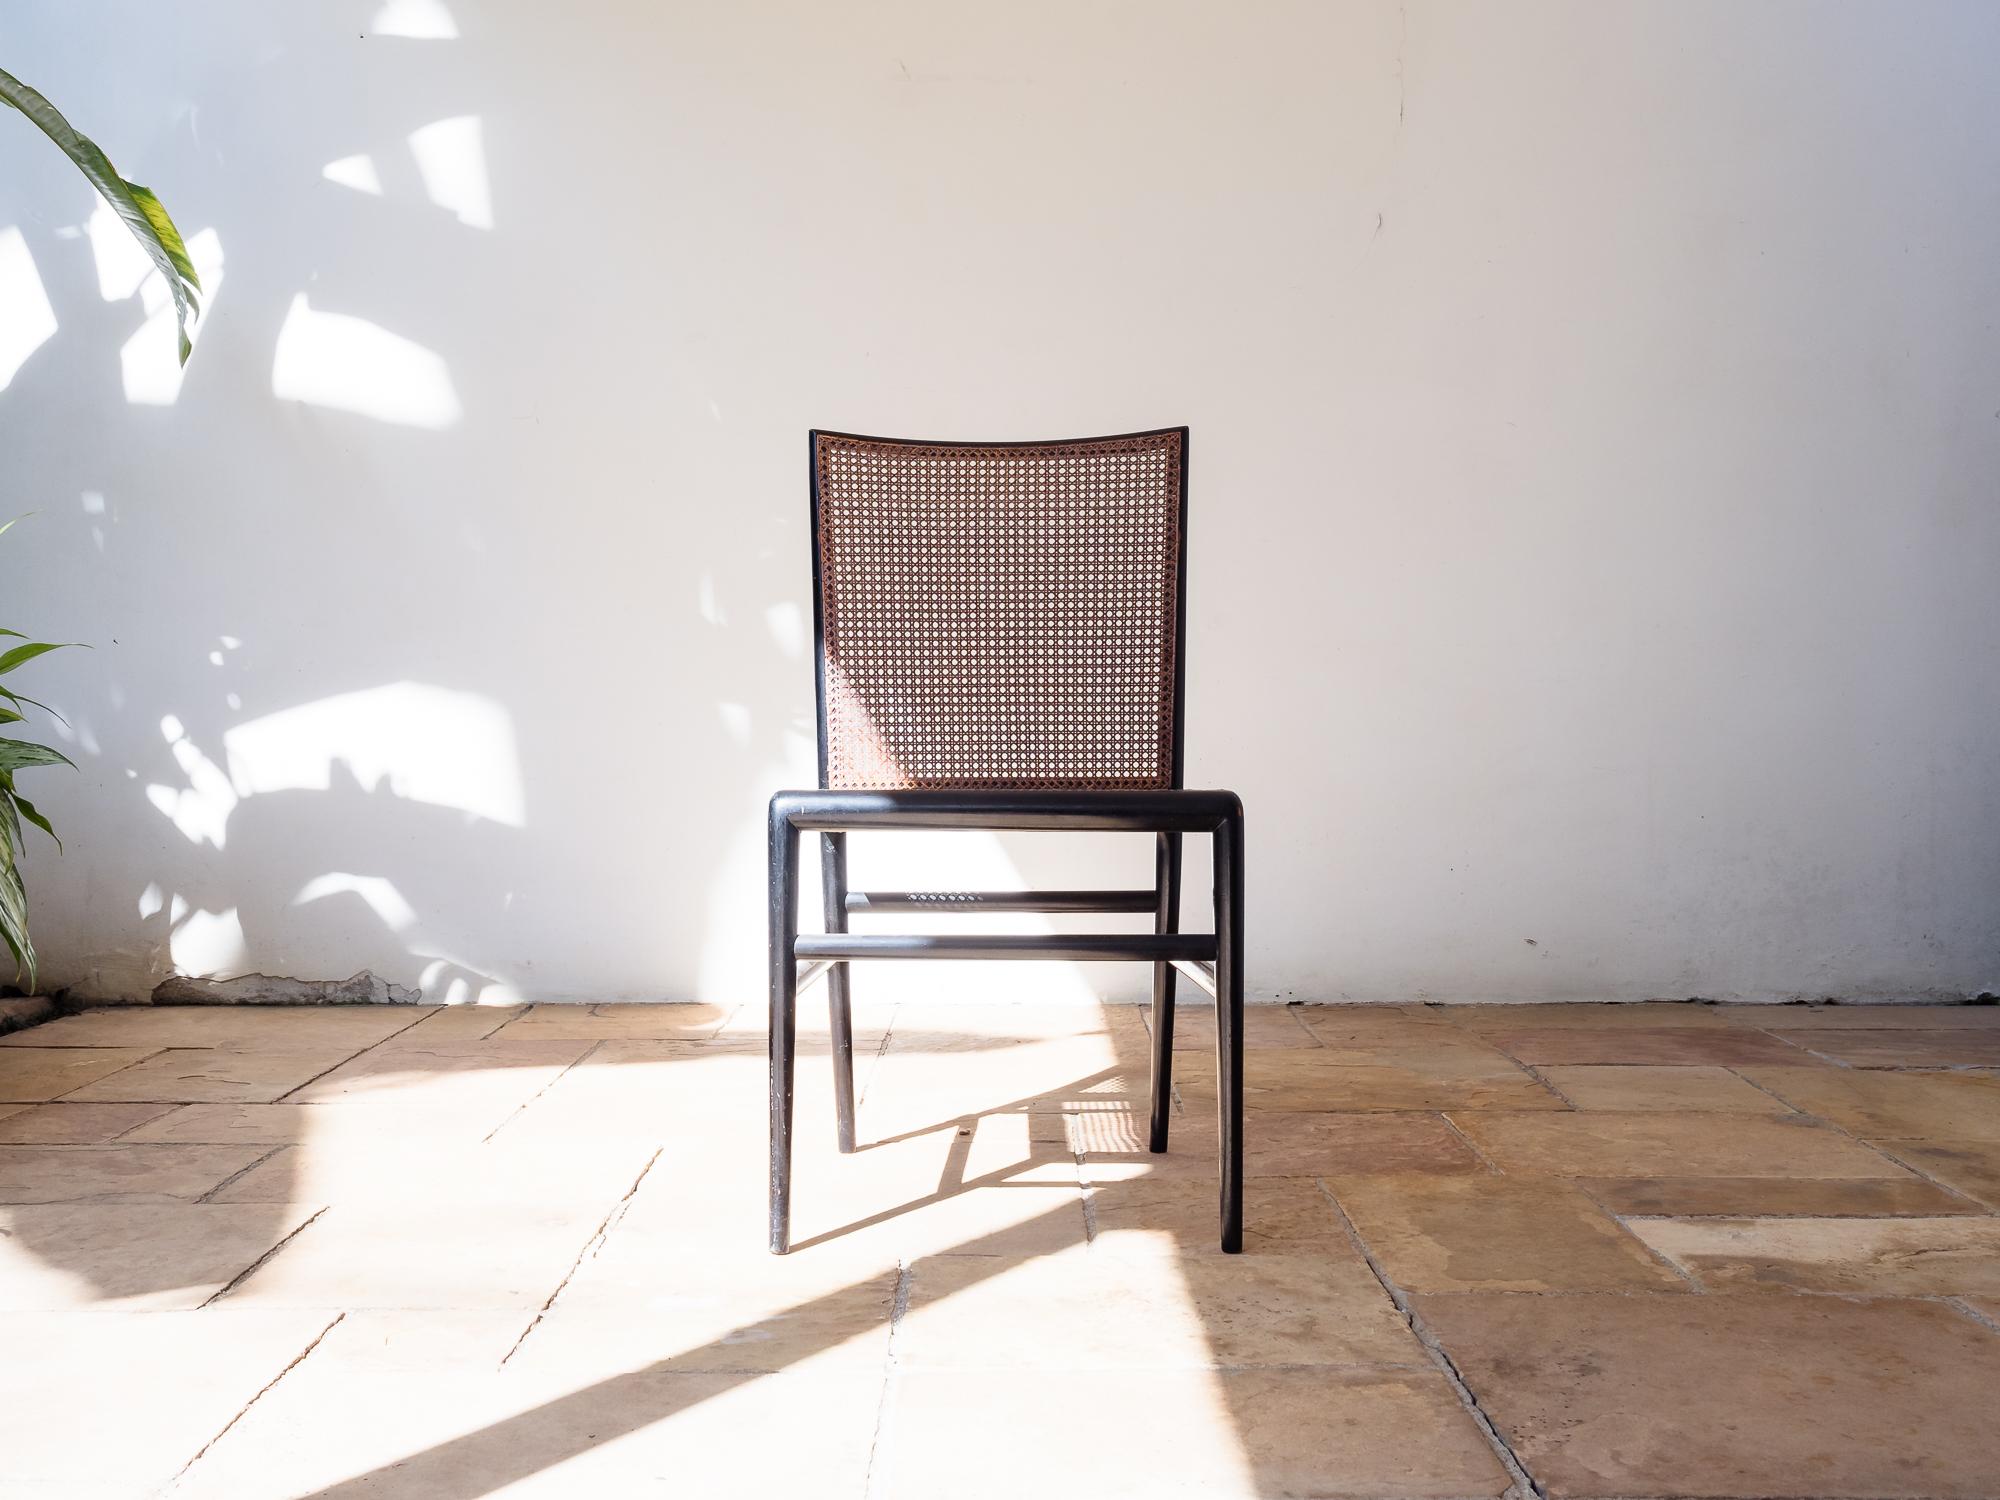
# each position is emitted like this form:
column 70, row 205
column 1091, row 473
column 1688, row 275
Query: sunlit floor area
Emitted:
column 1661, row 1250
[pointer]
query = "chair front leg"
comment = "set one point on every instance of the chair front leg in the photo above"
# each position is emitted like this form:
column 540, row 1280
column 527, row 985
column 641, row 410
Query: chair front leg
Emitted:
column 1167, row 882
column 784, row 899
column 1229, row 1022
column 833, row 881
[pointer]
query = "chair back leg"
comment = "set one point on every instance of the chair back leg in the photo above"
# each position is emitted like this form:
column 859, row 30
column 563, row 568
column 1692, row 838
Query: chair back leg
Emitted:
column 1167, row 918
column 784, row 899
column 833, row 881
column 1229, row 1023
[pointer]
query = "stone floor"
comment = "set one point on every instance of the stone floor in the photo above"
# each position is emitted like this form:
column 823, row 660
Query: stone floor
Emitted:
column 1663, row 1250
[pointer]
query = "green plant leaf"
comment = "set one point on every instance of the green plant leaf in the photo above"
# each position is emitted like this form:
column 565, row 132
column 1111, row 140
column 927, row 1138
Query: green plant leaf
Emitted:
column 14, row 754
column 136, row 205
column 14, row 899
column 33, row 814
column 27, row 653
column 17, row 699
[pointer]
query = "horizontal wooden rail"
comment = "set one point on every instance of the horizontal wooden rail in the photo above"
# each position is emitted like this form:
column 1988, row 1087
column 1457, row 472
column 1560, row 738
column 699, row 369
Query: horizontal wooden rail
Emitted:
column 905, row 901
column 1164, row 811
column 1147, row 947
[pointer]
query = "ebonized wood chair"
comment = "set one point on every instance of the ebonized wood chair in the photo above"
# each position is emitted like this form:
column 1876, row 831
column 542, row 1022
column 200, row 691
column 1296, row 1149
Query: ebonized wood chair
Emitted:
column 999, row 631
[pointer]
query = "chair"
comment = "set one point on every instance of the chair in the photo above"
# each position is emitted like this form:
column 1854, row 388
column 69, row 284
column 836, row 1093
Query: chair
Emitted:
column 999, row 636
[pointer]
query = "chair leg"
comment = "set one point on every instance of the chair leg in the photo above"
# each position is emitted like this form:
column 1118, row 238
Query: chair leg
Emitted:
column 784, row 898
column 1229, row 1023
column 1167, row 882
column 833, row 881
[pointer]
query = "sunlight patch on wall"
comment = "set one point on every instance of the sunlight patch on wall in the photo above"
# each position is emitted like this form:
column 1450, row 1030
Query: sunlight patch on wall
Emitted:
column 201, row 809
column 26, row 320
column 405, row 739
column 377, row 892
column 357, row 172
column 787, row 625
column 209, row 942
column 349, row 364
column 121, row 264
column 419, row 20
column 451, row 158
column 150, row 362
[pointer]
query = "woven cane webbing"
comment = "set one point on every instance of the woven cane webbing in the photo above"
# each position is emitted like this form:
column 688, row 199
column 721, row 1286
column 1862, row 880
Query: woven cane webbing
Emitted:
column 999, row 616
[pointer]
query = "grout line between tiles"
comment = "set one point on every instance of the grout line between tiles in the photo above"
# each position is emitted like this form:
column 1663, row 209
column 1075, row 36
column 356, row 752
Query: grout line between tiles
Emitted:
column 1972, row 1312
column 1524, row 1484
column 341, row 1064
column 296, row 1360
column 142, row 1124
column 116, row 1072
column 516, row 1112
column 1492, row 1166
column 241, row 1172
column 243, row 1275
column 872, row 1482
column 1867, row 1145
column 596, row 1241
column 1640, row 1240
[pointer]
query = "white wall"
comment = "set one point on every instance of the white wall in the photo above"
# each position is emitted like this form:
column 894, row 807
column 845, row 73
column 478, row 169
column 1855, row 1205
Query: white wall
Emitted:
column 1596, row 415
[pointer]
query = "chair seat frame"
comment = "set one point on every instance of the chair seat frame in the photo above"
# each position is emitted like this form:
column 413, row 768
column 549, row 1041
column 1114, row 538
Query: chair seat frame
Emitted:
column 1212, row 960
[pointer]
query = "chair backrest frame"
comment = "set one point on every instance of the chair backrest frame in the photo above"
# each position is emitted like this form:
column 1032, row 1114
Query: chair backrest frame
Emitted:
column 817, row 447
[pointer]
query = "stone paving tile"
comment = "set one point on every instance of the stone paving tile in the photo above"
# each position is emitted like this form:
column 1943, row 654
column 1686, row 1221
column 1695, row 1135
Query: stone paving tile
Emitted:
column 35, row 1075
column 1263, row 1026
column 73, row 1124
column 640, row 1298
column 1859, row 1257
column 417, row 1406
column 142, row 1256
column 1612, row 1395
column 1313, row 1081
column 1722, row 1046
column 493, row 1077
column 364, row 1170
column 936, row 1195
column 1495, row 1234
column 243, row 1028
column 210, row 1075
column 1227, row 1435
column 1608, row 1143
column 1280, row 1215
column 1351, row 1023
column 1961, row 1048
column 626, row 1022
column 452, row 1256
column 1539, row 1016
column 1892, row 1106
column 1970, row 1167
column 443, row 1024
column 1113, row 1146
column 284, row 1124
column 117, row 1173
column 114, row 1404
column 1639, row 1086
column 1863, row 1017
column 1099, row 1310
column 1434, row 1052
column 1735, row 1197
column 477, row 1164
column 684, row 1316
